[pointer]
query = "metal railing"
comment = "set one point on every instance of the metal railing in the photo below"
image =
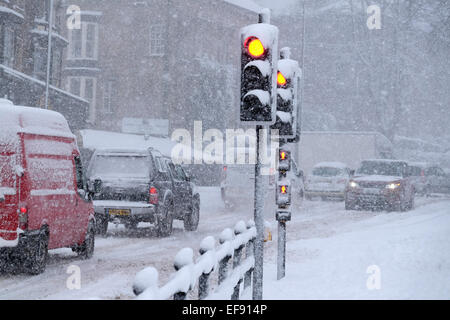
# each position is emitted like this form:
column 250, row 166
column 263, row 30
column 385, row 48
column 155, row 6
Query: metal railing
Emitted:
column 232, row 259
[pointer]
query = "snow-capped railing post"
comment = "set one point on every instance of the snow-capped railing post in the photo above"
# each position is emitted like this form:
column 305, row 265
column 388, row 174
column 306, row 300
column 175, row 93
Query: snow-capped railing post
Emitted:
column 184, row 259
column 207, row 247
column 238, row 230
column 248, row 253
column 188, row 273
column 225, row 237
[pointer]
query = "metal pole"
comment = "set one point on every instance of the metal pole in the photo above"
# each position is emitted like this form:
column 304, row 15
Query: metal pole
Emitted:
column 259, row 223
column 281, row 218
column 281, row 261
column 49, row 51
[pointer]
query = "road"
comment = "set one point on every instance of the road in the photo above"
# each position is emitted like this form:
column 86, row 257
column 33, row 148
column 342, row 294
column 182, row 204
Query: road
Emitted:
column 121, row 254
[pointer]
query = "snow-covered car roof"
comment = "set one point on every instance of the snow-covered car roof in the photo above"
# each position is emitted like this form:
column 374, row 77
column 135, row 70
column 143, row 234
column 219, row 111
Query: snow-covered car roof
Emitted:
column 331, row 164
column 19, row 119
column 418, row 164
column 385, row 160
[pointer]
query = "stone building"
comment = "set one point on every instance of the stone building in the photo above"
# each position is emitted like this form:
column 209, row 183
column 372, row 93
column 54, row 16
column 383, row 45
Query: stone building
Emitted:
column 163, row 59
column 23, row 59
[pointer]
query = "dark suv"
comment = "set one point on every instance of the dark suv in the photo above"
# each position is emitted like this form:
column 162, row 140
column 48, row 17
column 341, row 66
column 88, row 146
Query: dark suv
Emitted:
column 381, row 184
column 137, row 186
column 187, row 199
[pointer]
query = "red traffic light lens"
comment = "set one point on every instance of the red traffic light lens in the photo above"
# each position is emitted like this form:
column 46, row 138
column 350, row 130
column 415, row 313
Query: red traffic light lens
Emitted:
column 254, row 47
column 281, row 80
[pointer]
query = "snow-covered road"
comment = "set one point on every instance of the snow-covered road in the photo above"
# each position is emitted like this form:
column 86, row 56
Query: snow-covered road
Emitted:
column 318, row 229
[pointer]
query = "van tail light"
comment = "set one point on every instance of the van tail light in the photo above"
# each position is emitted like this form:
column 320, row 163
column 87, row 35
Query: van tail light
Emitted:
column 23, row 217
column 153, row 195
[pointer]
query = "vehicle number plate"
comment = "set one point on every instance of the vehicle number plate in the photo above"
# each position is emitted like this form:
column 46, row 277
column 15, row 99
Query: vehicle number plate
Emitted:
column 371, row 191
column 119, row 212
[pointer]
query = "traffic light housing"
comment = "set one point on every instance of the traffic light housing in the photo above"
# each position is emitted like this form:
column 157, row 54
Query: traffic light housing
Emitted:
column 259, row 57
column 284, row 160
column 287, row 114
column 283, row 195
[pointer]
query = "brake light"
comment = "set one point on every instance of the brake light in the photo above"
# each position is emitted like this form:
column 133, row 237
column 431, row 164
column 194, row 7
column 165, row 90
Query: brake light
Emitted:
column 224, row 173
column 153, row 199
column 23, row 218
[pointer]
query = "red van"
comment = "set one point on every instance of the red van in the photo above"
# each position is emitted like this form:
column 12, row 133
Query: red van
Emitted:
column 44, row 202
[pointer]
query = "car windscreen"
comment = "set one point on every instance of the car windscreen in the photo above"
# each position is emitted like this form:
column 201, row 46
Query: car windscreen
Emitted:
column 133, row 166
column 381, row 168
column 326, row 171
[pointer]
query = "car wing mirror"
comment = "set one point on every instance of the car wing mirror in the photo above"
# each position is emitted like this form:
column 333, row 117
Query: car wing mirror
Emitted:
column 98, row 184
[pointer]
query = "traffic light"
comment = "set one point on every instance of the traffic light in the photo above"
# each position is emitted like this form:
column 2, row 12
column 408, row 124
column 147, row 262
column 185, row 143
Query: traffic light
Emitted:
column 284, row 160
column 283, row 195
column 259, row 57
column 287, row 96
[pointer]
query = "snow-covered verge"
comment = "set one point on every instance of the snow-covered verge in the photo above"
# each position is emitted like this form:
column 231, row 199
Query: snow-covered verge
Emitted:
column 410, row 252
column 329, row 250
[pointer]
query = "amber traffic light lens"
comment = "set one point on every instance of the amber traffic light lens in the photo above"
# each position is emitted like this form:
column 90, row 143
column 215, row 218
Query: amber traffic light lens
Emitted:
column 283, row 189
column 255, row 47
column 283, row 155
column 281, row 80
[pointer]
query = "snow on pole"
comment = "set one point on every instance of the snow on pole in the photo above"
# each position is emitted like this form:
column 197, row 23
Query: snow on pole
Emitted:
column 259, row 223
column 206, row 264
column 146, row 281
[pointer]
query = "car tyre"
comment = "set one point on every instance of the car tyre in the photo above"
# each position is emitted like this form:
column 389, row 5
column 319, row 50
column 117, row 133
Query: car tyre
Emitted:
column 164, row 224
column 131, row 225
column 101, row 225
column 192, row 220
column 349, row 206
column 86, row 250
column 37, row 255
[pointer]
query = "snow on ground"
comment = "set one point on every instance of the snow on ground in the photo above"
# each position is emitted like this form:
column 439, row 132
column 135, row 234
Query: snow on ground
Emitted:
column 332, row 255
column 329, row 250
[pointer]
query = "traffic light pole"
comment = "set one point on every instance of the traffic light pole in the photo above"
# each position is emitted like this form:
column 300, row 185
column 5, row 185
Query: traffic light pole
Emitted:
column 281, row 259
column 259, row 223
column 282, row 217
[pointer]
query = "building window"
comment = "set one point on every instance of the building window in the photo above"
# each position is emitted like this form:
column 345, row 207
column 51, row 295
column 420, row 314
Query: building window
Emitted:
column 157, row 40
column 108, row 97
column 40, row 62
column 86, row 88
column 84, row 42
column 56, row 66
column 9, row 47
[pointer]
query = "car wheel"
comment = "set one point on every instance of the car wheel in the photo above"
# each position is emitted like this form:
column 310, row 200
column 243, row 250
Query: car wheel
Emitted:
column 411, row 203
column 131, row 225
column 37, row 254
column 349, row 206
column 193, row 218
column 165, row 221
column 86, row 250
column 101, row 225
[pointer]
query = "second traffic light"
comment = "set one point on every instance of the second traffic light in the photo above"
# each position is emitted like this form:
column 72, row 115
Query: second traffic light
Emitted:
column 287, row 115
column 259, row 57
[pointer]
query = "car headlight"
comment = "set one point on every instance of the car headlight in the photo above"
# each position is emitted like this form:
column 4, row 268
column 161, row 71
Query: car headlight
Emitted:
column 392, row 186
column 353, row 184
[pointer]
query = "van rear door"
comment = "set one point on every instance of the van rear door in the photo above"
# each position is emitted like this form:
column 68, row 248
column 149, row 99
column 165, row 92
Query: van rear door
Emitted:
column 9, row 219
